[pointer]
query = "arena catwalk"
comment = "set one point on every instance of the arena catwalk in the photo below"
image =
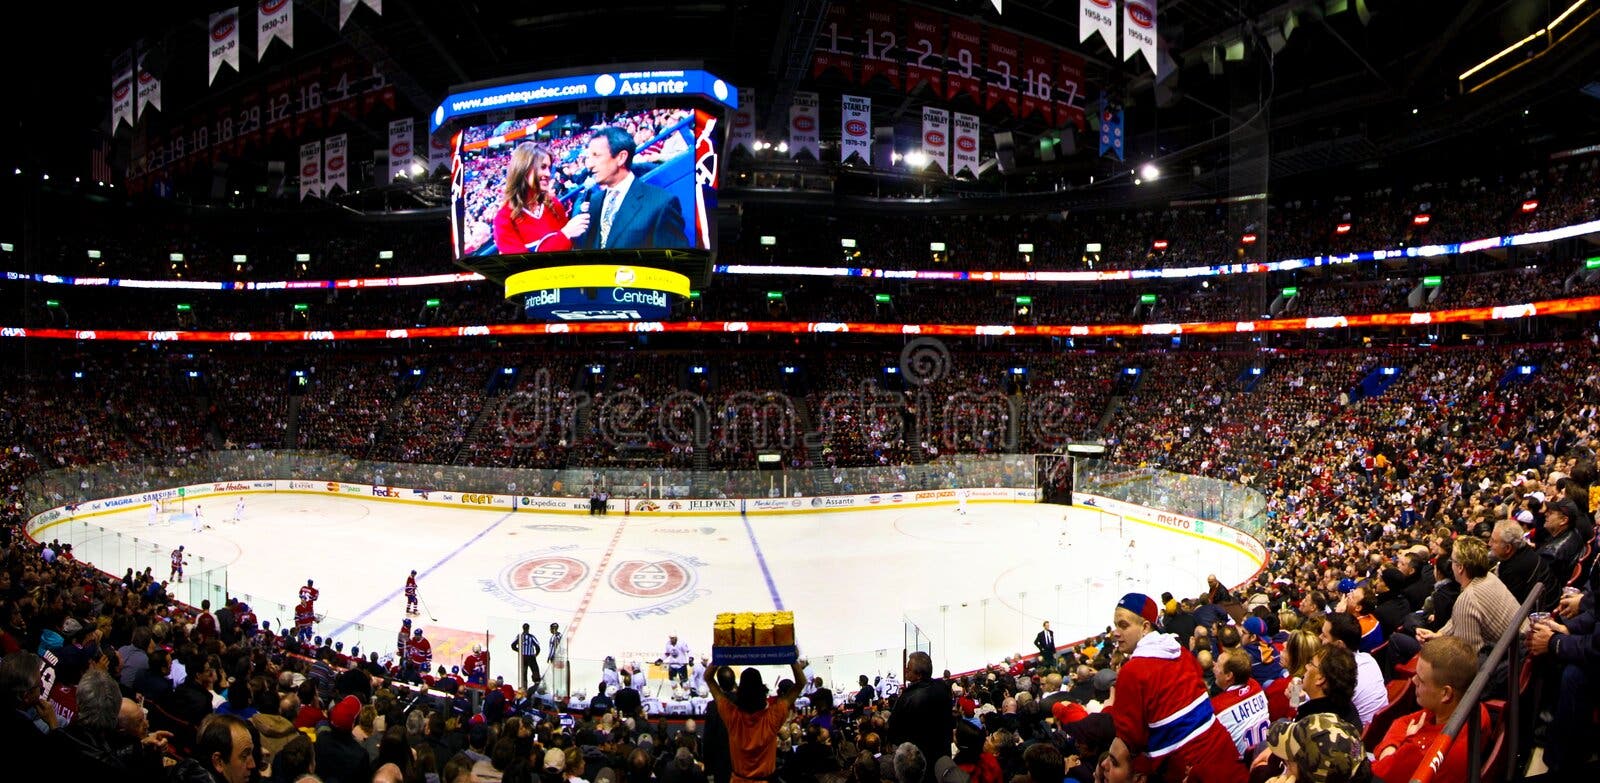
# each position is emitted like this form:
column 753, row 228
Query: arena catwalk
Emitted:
column 977, row 585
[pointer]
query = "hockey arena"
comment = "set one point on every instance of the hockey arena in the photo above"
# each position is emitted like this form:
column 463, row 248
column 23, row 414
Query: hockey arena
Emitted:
column 643, row 577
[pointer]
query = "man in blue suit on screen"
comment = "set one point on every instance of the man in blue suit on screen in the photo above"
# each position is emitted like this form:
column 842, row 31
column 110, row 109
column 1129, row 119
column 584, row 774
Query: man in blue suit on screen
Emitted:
column 628, row 214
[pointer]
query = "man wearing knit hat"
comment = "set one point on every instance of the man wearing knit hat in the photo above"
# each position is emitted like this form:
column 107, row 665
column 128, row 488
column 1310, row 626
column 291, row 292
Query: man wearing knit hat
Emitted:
column 340, row 759
column 1161, row 709
column 1265, row 666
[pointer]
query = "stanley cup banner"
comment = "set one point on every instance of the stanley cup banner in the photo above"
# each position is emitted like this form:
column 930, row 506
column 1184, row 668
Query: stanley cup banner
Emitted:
column 1139, row 31
column 966, row 145
column 348, row 7
column 936, row 137
column 149, row 92
column 438, row 154
column 274, row 22
column 122, row 91
column 310, row 169
column 803, row 126
column 855, row 123
column 400, row 147
column 743, row 135
column 222, row 40
column 335, row 166
column 1098, row 16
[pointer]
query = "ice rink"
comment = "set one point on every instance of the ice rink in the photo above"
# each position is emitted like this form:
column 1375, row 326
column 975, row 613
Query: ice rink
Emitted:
column 977, row 585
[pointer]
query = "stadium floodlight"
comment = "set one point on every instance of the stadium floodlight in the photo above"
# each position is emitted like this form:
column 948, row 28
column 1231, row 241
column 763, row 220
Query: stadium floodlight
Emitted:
column 1149, row 171
column 917, row 159
column 94, row 254
column 417, row 170
column 783, row 147
column 385, row 255
column 47, row 178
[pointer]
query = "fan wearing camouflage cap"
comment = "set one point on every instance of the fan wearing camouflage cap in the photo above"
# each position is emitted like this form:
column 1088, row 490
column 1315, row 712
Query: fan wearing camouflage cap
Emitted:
column 1319, row 748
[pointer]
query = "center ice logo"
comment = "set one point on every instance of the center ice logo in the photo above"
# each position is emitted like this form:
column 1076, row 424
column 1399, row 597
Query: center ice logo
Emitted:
column 636, row 583
column 649, row 580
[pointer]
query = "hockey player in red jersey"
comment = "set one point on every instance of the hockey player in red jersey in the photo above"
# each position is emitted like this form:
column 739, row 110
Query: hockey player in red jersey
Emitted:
column 304, row 618
column 177, row 565
column 476, row 665
column 309, row 594
column 411, row 594
column 419, row 655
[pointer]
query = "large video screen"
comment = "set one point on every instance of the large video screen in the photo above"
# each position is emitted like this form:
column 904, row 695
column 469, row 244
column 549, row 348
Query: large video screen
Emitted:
column 616, row 181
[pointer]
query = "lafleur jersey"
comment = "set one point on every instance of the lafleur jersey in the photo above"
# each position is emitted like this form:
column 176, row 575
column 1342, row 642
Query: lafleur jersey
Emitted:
column 1242, row 710
column 309, row 594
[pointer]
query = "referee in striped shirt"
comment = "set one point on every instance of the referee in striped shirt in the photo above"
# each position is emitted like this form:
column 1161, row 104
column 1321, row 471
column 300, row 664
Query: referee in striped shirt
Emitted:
column 527, row 645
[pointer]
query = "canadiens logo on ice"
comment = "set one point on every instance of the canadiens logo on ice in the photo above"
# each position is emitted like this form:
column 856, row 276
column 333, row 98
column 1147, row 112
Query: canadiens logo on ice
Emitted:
column 640, row 582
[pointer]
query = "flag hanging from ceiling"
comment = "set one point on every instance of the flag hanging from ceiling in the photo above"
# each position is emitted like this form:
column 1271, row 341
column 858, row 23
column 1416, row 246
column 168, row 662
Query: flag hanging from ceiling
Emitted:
column 743, row 135
column 149, row 90
column 1139, row 31
column 803, row 126
column 1111, row 127
column 122, row 90
column 348, row 7
column 1098, row 16
column 936, row 137
column 336, row 163
column 274, row 22
column 400, row 132
column 855, row 129
column 310, row 169
column 223, row 41
column 966, row 145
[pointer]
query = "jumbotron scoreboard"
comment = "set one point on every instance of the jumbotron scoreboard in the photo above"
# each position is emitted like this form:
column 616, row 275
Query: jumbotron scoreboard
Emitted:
column 589, row 196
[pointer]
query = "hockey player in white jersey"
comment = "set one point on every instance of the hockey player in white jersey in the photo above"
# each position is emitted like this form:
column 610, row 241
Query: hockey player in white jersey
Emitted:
column 961, row 501
column 238, row 511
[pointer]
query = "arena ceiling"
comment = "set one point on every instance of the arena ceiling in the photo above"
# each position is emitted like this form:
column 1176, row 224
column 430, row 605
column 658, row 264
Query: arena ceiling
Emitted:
column 1343, row 81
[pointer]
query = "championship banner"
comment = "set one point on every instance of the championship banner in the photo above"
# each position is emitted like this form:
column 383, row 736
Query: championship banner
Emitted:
column 1098, row 16
column 348, row 7
column 1111, row 127
column 336, row 165
column 965, row 153
column 149, row 89
column 223, row 41
column 924, row 50
column 400, row 134
column 936, row 137
column 803, row 126
column 310, row 169
column 438, row 154
column 880, row 36
column 122, row 89
column 743, row 135
column 1068, row 89
column 961, row 58
column 1139, row 31
column 1004, row 55
column 835, row 48
column 274, row 22
column 1038, row 80
column 855, row 123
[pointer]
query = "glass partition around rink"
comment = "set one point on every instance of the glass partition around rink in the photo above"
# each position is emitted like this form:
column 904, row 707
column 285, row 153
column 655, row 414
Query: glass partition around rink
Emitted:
column 963, row 636
column 51, row 494
column 49, row 489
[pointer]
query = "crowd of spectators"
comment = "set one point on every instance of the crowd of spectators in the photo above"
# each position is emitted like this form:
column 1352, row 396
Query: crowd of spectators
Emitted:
column 1378, row 504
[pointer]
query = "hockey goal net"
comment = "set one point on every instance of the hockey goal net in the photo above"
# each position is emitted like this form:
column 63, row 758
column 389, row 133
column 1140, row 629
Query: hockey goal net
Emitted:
column 1108, row 523
column 167, row 507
